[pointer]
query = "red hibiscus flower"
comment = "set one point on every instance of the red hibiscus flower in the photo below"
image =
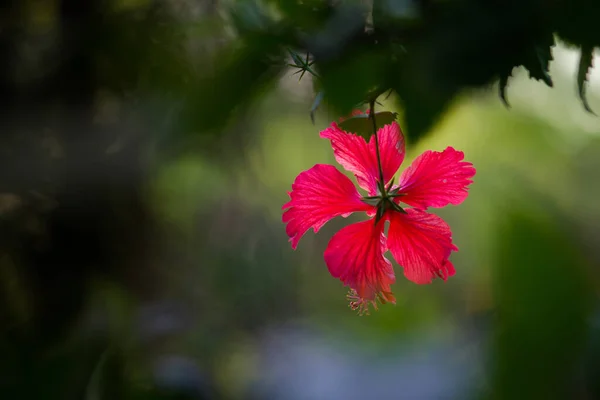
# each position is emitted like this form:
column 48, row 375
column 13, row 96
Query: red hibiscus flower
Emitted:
column 419, row 241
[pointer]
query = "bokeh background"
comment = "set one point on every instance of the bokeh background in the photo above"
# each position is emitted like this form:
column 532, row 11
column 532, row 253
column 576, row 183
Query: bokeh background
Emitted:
column 142, row 253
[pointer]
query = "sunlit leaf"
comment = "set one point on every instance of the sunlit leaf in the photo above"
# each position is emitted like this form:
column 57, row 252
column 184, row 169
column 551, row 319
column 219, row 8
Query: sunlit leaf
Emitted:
column 362, row 125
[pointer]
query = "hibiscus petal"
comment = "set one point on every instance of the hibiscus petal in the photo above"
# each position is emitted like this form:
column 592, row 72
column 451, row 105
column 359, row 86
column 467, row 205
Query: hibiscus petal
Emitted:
column 318, row 195
column 421, row 243
column 391, row 149
column 352, row 152
column 360, row 157
column 355, row 256
column 436, row 179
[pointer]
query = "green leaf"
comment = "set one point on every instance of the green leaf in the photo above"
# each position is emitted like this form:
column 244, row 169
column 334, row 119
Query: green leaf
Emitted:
column 539, row 66
column 535, row 58
column 575, row 22
column 423, row 102
column 585, row 65
column 350, row 80
column 363, row 126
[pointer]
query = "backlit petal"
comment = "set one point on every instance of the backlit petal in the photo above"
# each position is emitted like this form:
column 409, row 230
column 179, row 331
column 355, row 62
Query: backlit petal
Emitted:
column 391, row 149
column 355, row 256
column 318, row 195
column 352, row 152
column 421, row 243
column 436, row 179
column 360, row 157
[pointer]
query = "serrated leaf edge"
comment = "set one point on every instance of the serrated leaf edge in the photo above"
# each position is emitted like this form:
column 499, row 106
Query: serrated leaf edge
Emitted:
column 586, row 62
column 502, row 85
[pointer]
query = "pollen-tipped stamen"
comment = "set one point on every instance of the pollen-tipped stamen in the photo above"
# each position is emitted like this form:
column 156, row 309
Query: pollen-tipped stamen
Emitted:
column 359, row 304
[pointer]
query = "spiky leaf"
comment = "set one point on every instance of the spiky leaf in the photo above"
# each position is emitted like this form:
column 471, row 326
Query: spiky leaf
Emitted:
column 538, row 64
column 535, row 58
column 502, row 87
column 585, row 65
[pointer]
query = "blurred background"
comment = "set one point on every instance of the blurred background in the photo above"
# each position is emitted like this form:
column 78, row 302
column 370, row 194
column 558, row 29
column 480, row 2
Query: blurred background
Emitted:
column 142, row 253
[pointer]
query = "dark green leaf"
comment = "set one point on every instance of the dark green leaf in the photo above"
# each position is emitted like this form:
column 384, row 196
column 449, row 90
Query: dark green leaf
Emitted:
column 351, row 80
column 459, row 45
column 585, row 65
column 422, row 101
column 576, row 22
column 539, row 66
column 535, row 58
column 363, row 126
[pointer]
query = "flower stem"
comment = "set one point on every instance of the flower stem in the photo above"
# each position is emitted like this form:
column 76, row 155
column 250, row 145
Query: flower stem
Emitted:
column 372, row 116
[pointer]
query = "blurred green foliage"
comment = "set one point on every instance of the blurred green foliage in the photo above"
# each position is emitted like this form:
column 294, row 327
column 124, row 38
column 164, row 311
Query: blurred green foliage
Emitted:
column 427, row 51
column 543, row 300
